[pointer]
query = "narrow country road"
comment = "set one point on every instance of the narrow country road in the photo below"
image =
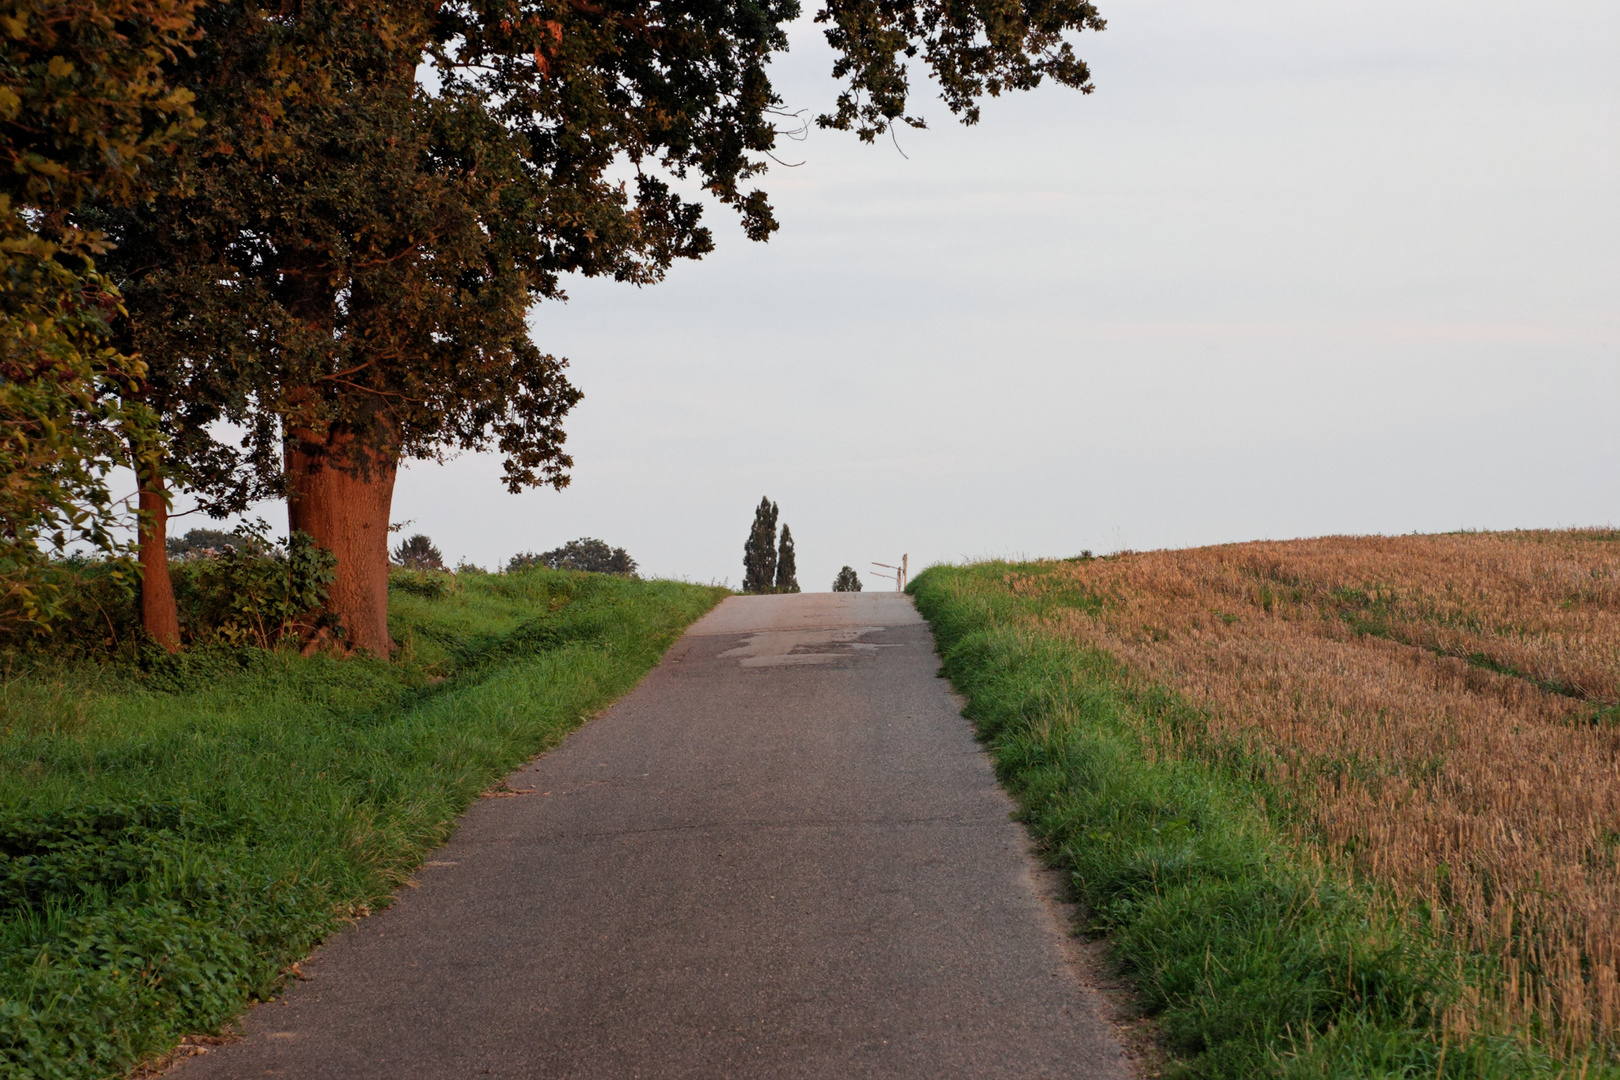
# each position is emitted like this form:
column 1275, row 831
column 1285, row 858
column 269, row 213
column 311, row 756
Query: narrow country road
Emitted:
column 783, row 855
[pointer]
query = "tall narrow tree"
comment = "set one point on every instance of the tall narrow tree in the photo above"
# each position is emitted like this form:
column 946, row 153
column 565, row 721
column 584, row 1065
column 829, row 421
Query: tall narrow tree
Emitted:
column 759, row 553
column 787, row 569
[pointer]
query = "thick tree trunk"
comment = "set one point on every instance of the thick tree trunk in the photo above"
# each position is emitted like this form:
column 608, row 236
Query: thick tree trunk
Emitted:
column 340, row 492
column 159, row 615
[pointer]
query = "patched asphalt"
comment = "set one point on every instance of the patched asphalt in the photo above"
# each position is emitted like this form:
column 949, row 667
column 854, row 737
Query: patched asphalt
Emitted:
column 782, row 855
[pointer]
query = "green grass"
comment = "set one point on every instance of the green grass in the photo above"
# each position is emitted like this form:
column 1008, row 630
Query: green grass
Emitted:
column 1255, row 960
column 175, row 831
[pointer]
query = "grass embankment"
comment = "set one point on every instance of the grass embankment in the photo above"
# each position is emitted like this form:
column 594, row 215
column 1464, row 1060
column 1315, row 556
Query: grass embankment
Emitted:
column 1345, row 807
column 174, row 833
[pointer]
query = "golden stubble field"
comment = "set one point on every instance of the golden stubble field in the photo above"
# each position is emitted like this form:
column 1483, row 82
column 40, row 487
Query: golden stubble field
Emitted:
column 1444, row 707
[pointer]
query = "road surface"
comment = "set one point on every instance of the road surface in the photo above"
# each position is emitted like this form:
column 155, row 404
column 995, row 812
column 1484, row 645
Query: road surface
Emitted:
column 782, row 855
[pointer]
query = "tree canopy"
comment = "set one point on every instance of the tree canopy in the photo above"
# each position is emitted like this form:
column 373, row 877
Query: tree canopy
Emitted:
column 86, row 106
column 587, row 554
column 341, row 265
column 356, row 250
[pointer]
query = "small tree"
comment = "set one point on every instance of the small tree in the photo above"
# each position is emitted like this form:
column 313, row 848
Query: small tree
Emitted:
column 591, row 556
column 787, row 570
column 418, row 553
column 759, row 553
column 847, row 581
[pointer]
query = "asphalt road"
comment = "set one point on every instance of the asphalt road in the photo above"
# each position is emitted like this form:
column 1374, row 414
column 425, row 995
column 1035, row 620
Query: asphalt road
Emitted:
column 783, row 855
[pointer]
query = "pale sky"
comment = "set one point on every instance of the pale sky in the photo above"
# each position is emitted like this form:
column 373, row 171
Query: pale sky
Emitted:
column 1295, row 268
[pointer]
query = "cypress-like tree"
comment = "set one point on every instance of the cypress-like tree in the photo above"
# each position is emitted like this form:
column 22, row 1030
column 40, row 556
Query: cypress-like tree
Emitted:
column 847, row 580
column 787, row 570
column 759, row 553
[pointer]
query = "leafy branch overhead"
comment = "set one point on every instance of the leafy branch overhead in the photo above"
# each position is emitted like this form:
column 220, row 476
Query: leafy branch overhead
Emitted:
column 972, row 49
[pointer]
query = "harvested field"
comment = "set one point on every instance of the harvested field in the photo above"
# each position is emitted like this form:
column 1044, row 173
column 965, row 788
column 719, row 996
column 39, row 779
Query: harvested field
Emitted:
column 1441, row 712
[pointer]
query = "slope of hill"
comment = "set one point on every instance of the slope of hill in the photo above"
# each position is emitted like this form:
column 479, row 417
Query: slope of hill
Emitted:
column 1393, row 760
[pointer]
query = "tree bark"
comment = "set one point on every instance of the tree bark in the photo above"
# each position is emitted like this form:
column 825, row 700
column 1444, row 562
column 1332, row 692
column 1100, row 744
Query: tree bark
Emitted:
column 159, row 614
column 340, row 492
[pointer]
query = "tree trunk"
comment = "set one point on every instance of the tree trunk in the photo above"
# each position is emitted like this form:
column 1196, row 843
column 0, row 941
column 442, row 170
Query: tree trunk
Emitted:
column 159, row 615
column 340, row 492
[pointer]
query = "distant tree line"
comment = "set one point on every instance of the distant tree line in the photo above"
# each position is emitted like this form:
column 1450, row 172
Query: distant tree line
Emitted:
column 591, row 556
column 246, row 251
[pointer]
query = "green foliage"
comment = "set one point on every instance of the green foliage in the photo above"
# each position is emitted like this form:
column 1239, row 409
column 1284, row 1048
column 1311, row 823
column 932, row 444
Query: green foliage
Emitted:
column 787, row 567
column 204, row 820
column 429, row 583
column 201, row 543
column 84, row 102
column 245, row 597
column 847, row 580
column 84, row 108
column 61, row 422
column 972, row 49
column 586, row 554
column 252, row 593
column 759, row 551
column 418, row 553
column 1256, row 961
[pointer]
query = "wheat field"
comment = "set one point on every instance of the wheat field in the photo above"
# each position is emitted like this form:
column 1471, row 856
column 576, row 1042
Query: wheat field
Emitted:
column 1446, row 710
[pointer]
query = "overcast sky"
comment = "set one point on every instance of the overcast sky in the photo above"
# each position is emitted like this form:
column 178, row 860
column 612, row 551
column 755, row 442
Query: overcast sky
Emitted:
column 1295, row 268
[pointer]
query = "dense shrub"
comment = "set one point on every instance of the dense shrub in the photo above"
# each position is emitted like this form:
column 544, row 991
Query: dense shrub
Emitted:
column 429, row 583
column 252, row 592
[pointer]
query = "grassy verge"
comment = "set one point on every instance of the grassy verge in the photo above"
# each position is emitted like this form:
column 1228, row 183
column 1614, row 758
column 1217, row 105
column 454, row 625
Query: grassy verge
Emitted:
column 175, row 831
column 1258, row 959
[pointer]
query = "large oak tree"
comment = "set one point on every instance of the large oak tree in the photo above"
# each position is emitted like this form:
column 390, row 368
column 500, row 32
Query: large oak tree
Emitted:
column 347, row 275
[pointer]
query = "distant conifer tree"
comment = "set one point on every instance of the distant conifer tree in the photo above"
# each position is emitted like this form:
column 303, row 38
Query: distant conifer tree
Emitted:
column 759, row 553
column 847, row 581
column 787, row 571
column 419, row 553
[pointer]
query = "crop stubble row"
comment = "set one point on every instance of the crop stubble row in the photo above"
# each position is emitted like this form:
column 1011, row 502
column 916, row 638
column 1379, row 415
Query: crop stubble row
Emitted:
column 1443, row 707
